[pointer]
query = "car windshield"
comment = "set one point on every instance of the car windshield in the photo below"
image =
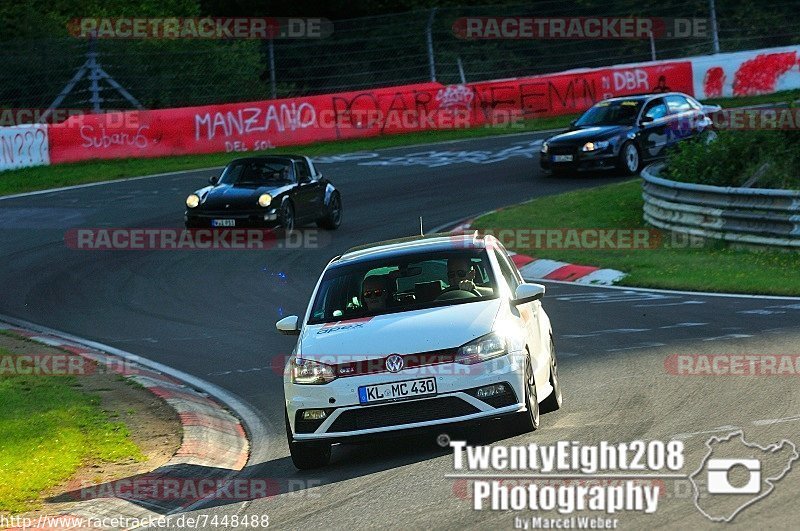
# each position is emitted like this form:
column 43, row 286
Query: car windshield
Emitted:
column 617, row 112
column 403, row 283
column 257, row 172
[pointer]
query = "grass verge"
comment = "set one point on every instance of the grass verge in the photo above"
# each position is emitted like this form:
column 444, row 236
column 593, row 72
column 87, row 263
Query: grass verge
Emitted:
column 713, row 267
column 48, row 429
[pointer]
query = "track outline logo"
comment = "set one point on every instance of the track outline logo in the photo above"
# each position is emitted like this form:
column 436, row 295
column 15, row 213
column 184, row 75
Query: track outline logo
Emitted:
column 728, row 463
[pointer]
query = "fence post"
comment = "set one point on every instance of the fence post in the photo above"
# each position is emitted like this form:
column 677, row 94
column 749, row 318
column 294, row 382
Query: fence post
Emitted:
column 273, row 87
column 461, row 70
column 429, row 35
column 712, row 8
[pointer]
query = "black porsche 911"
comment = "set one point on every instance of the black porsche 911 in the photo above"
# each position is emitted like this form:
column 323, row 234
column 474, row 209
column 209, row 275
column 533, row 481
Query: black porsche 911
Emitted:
column 624, row 133
column 271, row 191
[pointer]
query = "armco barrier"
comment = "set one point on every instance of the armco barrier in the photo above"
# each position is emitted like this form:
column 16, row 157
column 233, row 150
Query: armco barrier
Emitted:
column 263, row 125
column 256, row 126
column 743, row 215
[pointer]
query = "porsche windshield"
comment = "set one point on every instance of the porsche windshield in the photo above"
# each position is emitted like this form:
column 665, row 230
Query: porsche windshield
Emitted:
column 617, row 112
column 403, row 283
column 257, row 172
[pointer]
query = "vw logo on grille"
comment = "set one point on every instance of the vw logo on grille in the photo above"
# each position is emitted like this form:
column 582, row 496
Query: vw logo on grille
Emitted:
column 394, row 363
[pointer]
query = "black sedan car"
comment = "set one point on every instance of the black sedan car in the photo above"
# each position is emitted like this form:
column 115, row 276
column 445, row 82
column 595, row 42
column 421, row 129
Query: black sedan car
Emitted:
column 625, row 133
column 270, row 191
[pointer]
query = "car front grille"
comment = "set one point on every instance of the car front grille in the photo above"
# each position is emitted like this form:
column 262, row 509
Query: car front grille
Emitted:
column 562, row 150
column 402, row 413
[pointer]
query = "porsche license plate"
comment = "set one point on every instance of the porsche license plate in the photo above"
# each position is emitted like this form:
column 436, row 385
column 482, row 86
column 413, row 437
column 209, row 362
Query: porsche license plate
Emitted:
column 223, row 222
column 562, row 158
column 369, row 394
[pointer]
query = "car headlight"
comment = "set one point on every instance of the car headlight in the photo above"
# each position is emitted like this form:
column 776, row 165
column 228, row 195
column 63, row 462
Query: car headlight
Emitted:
column 484, row 348
column 545, row 147
column 264, row 200
column 594, row 146
column 192, row 201
column 311, row 372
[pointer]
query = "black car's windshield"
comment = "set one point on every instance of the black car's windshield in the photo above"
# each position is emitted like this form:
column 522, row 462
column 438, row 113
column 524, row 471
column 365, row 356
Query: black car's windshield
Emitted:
column 617, row 112
column 257, row 172
column 403, row 283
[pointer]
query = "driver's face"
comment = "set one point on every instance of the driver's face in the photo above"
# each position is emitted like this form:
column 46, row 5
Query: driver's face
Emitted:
column 459, row 269
column 374, row 294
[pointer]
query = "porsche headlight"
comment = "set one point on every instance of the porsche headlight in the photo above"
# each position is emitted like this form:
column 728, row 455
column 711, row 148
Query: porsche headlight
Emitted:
column 545, row 147
column 482, row 349
column 311, row 372
column 594, row 146
column 192, row 201
column 264, row 200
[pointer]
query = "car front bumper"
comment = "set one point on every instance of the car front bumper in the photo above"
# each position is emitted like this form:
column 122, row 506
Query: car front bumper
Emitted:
column 250, row 218
column 604, row 159
column 454, row 402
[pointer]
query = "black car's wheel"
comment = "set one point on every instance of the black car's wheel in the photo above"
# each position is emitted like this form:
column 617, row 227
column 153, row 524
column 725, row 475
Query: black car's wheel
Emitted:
column 630, row 160
column 287, row 216
column 529, row 420
column 555, row 399
column 305, row 455
column 333, row 218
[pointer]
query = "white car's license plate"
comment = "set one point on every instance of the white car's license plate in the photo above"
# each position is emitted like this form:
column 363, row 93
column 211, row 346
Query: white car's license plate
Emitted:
column 223, row 222
column 562, row 158
column 369, row 394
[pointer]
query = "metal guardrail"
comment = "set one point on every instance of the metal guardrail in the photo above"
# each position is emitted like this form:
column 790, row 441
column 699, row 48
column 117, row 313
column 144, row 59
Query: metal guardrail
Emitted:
column 744, row 215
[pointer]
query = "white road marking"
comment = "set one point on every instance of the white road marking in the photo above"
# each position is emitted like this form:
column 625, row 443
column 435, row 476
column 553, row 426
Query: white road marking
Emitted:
column 667, row 304
column 767, row 422
column 683, row 436
column 610, row 331
column 682, row 325
column 727, row 336
column 636, row 347
column 605, row 298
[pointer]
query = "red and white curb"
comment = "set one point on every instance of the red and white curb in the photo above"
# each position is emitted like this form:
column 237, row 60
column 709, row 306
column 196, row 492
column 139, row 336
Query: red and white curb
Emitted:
column 544, row 269
column 213, row 438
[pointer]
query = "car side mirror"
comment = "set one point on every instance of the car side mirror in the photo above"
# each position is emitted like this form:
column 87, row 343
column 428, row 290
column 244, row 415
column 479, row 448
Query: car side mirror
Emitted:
column 288, row 326
column 572, row 124
column 646, row 120
column 527, row 292
column 214, row 179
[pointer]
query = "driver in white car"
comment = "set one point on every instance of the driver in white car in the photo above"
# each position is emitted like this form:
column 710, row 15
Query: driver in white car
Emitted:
column 375, row 292
column 461, row 274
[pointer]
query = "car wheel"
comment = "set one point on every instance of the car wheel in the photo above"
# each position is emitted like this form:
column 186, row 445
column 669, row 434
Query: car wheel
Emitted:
column 530, row 418
column 555, row 399
column 630, row 160
column 305, row 455
column 334, row 217
column 287, row 216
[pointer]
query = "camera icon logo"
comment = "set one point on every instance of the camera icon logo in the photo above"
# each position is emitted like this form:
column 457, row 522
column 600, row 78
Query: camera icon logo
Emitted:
column 735, row 474
column 719, row 472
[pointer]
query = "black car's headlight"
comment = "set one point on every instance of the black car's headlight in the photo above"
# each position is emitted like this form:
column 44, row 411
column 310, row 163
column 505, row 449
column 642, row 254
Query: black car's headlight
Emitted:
column 310, row 372
column 264, row 200
column 545, row 147
column 482, row 349
column 192, row 201
column 594, row 146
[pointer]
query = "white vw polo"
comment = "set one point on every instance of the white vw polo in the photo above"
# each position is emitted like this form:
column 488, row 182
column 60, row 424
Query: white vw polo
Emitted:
column 415, row 333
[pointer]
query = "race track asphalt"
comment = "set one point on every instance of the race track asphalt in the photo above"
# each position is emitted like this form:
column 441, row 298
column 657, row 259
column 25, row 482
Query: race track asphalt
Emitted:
column 211, row 314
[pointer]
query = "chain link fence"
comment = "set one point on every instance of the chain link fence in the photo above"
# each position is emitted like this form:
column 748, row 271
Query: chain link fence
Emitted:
column 362, row 53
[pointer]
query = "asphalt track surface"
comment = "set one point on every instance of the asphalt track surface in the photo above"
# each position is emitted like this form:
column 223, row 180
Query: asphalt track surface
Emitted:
column 211, row 314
